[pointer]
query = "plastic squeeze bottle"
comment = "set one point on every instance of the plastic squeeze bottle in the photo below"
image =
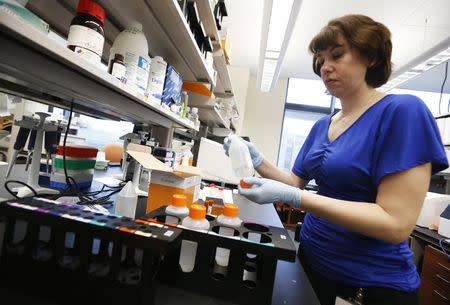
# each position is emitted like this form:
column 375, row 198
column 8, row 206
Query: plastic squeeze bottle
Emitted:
column 126, row 201
column 195, row 221
column 177, row 208
column 132, row 44
column 241, row 160
column 229, row 220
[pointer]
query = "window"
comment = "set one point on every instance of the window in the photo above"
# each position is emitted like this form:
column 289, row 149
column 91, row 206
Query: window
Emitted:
column 98, row 132
column 307, row 92
column 296, row 127
column 306, row 102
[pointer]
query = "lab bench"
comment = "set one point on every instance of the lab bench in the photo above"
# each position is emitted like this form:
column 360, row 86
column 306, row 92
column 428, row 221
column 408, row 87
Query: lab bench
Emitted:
column 434, row 266
column 291, row 285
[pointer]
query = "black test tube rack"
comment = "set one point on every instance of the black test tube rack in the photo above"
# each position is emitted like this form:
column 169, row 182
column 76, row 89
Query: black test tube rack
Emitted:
column 72, row 254
column 254, row 250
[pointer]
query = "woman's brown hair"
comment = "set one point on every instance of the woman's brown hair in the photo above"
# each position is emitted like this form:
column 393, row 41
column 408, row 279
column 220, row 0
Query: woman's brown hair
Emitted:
column 371, row 39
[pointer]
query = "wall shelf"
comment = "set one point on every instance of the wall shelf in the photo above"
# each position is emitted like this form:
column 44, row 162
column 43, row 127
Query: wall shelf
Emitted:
column 34, row 66
column 206, row 12
column 212, row 117
column 164, row 25
column 223, row 87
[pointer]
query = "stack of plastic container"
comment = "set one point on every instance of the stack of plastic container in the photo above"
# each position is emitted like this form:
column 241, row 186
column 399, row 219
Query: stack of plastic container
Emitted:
column 80, row 164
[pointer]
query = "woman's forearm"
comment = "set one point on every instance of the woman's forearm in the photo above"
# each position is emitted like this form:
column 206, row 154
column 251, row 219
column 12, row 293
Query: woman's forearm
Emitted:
column 270, row 171
column 368, row 219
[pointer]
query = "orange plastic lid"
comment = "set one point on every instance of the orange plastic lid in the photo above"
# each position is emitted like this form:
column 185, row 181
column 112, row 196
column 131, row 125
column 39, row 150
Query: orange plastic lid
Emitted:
column 179, row 200
column 230, row 210
column 244, row 185
column 200, row 88
column 197, row 211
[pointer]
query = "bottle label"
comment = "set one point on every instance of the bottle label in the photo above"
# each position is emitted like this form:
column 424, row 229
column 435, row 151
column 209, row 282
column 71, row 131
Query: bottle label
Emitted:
column 156, row 78
column 130, row 62
column 118, row 71
column 88, row 55
column 143, row 68
column 87, row 38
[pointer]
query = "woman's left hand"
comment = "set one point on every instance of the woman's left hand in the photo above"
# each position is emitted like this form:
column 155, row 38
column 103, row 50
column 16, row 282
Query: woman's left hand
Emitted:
column 269, row 191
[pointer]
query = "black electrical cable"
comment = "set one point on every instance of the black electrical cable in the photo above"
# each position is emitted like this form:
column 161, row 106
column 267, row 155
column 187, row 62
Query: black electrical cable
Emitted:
column 64, row 145
column 442, row 89
column 19, row 182
column 72, row 184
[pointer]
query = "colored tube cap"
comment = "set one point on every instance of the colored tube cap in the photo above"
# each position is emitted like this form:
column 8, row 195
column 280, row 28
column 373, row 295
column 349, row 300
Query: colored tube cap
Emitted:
column 244, row 185
column 197, row 211
column 230, row 210
column 179, row 200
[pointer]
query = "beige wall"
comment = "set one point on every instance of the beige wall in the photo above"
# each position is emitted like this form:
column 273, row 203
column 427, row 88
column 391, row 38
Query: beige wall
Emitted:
column 263, row 117
column 239, row 80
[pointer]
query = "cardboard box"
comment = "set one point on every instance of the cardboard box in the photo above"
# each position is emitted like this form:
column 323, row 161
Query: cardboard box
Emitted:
column 172, row 87
column 165, row 181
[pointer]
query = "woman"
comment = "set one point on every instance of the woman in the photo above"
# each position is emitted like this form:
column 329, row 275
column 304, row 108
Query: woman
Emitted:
column 372, row 162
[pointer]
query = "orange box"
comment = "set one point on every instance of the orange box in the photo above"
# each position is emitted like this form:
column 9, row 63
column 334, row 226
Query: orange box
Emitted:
column 165, row 181
column 163, row 185
column 200, row 94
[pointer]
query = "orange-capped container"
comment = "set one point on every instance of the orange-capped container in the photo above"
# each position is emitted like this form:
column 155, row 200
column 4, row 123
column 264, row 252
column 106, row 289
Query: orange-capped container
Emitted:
column 195, row 221
column 179, row 200
column 197, row 211
column 230, row 210
column 229, row 219
column 177, row 208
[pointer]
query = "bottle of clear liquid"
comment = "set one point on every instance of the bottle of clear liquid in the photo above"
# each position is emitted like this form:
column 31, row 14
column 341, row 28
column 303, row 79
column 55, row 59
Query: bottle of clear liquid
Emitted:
column 193, row 116
column 177, row 208
column 241, row 161
column 195, row 221
column 229, row 219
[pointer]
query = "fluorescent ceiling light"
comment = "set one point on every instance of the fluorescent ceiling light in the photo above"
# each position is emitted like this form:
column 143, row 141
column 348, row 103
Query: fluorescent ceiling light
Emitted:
column 278, row 23
column 428, row 60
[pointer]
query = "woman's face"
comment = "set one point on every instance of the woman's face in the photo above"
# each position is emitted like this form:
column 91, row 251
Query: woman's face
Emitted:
column 342, row 69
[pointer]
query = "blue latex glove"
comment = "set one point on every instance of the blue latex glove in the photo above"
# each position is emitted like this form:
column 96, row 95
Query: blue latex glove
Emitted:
column 270, row 191
column 255, row 154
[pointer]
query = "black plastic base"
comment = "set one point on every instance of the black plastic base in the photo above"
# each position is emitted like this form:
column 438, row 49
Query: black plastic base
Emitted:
column 249, row 276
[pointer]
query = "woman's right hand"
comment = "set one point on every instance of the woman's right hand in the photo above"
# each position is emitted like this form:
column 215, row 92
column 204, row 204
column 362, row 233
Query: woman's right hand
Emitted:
column 255, row 154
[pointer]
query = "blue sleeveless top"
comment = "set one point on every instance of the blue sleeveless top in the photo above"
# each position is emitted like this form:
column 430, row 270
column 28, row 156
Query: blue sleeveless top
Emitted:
column 395, row 134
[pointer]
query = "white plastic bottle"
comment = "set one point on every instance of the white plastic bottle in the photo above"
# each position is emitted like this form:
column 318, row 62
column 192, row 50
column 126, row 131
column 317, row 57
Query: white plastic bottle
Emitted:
column 157, row 77
column 193, row 116
column 177, row 208
column 195, row 221
column 126, row 201
column 229, row 219
column 241, row 160
column 133, row 46
column 186, row 156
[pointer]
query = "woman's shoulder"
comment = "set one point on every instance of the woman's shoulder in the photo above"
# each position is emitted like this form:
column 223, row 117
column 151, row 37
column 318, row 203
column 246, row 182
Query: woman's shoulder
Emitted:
column 402, row 104
column 396, row 101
